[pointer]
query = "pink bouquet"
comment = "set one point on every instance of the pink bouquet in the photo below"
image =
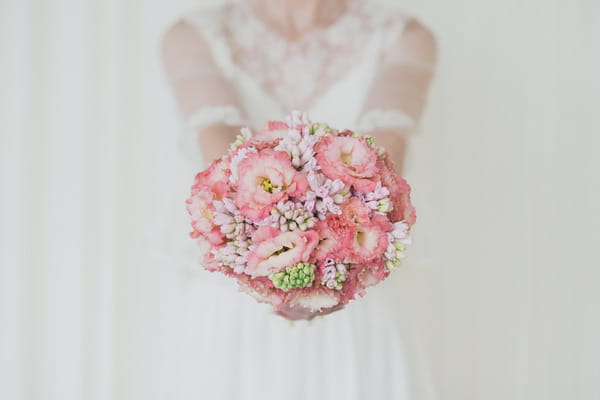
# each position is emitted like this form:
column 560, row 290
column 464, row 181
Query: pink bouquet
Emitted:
column 302, row 214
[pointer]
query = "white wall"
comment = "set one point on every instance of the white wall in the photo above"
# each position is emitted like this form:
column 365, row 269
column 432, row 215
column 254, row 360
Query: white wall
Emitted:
column 505, row 171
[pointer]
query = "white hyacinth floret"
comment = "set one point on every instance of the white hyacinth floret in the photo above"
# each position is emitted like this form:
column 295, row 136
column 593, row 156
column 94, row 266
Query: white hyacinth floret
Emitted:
column 399, row 239
column 324, row 195
column 230, row 221
column 334, row 274
column 290, row 216
column 299, row 146
column 234, row 254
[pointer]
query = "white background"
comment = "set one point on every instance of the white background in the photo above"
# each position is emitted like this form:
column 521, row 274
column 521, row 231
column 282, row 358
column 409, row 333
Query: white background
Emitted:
column 505, row 166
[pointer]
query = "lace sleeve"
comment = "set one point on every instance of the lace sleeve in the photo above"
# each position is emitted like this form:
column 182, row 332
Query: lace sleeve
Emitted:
column 204, row 94
column 398, row 93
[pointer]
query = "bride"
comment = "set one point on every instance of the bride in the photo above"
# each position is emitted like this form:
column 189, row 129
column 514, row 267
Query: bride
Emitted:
column 356, row 65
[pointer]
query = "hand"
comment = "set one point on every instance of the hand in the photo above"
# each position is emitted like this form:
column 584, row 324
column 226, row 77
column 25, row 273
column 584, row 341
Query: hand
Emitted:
column 294, row 313
column 215, row 141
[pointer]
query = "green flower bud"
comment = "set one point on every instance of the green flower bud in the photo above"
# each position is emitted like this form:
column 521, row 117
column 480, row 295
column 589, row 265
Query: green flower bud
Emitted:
column 294, row 277
column 400, row 246
column 385, row 205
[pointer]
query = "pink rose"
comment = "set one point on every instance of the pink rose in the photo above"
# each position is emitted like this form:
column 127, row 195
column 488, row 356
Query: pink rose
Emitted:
column 349, row 159
column 264, row 179
column 403, row 209
column 276, row 250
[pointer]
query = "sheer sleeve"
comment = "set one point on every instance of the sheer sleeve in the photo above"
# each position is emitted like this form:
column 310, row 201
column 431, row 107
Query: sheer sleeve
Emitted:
column 399, row 90
column 205, row 97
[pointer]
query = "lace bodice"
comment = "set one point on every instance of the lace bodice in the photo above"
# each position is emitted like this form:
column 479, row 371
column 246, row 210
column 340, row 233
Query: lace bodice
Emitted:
column 296, row 72
column 229, row 67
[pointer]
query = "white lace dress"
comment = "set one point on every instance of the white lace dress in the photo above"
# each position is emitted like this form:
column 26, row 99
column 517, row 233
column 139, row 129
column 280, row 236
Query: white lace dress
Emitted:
column 231, row 69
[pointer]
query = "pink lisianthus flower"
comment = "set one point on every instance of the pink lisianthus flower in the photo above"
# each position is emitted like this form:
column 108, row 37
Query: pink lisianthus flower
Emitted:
column 368, row 241
column 371, row 275
column 264, row 179
column 329, row 242
column 360, row 278
column 207, row 259
column 200, row 208
column 362, row 237
column 314, row 300
column 403, row 210
column 261, row 289
column 276, row 250
column 349, row 159
column 273, row 130
column 214, row 178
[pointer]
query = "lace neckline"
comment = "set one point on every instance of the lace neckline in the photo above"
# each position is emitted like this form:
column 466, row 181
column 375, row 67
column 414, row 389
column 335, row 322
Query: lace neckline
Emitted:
column 296, row 73
column 342, row 19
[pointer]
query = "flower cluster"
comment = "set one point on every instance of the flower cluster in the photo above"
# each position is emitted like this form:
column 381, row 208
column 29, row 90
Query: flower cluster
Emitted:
column 302, row 214
column 299, row 276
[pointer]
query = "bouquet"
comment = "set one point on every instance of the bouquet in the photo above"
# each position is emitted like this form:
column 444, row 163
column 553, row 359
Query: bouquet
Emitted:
column 302, row 214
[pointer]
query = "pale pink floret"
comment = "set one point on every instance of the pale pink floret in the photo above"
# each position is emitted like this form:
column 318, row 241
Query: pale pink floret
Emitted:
column 264, row 179
column 349, row 159
column 276, row 250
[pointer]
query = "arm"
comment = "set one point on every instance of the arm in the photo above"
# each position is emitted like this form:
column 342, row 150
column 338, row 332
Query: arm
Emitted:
column 398, row 93
column 205, row 97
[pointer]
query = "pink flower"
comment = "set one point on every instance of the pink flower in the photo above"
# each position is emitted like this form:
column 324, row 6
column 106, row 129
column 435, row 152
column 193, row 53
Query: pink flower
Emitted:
column 273, row 130
column 349, row 159
column 264, row 179
column 200, row 207
column 207, row 259
column 262, row 290
column 362, row 237
column 371, row 275
column 329, row 242
column 403, row 209
column 315, row 300
column 214, row 178
column 276, row 250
